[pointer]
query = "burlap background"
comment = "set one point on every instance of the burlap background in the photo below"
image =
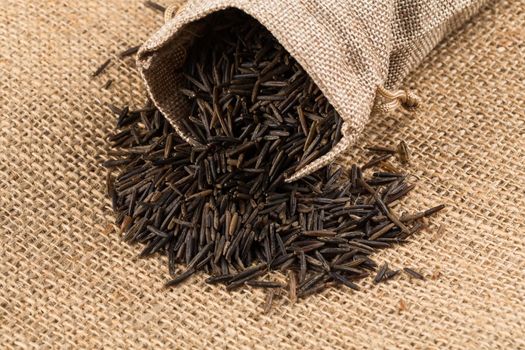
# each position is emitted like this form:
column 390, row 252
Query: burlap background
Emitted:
column 67, row 281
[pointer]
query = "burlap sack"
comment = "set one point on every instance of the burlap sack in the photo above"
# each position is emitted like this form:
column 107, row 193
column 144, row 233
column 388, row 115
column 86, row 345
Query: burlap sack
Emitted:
column 353, row 50
column 67, row 281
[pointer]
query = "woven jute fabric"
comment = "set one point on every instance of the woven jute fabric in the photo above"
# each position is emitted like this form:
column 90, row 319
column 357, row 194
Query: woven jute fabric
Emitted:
column 67, row 281
column 351, row 50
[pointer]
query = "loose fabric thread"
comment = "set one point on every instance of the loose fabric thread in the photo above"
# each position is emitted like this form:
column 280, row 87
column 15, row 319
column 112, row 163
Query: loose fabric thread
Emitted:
column 170, row 12
column 393, row 100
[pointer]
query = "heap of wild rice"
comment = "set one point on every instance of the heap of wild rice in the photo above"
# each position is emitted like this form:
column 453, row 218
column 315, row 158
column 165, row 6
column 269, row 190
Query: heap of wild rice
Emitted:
column 224, row 207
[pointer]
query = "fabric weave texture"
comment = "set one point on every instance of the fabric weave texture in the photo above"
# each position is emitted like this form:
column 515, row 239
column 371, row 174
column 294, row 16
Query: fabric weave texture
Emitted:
column 67, row 281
